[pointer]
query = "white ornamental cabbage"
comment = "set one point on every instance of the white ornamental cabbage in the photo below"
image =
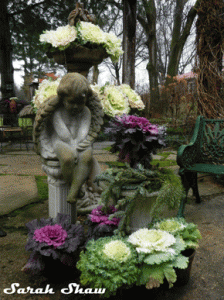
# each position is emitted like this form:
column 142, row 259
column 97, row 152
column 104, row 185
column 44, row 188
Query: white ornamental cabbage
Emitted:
column 114, row 103
column 152, row 240
column 92, row 33
column 61, row 37
column 46, row 89
column 113, row 46
column 134, row 99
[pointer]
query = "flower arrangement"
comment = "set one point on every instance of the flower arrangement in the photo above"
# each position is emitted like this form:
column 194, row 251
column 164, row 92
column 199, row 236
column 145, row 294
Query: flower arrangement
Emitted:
column 55, row 238
column 99, row 222
column 46, row 89
column 118, row 100
column 85, row 34
column 135, row 138
column 159, row 253
column 110, row 263
column 180, row 227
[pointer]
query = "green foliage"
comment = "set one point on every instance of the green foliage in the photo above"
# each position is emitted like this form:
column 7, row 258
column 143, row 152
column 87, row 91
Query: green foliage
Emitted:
column 140, row 181
column 169, row 196
column 98, row 270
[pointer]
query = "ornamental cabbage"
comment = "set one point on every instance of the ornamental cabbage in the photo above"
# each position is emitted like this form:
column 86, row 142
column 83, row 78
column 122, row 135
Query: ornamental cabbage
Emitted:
column 117, row 250
column 60, row 38
column 110, row 263
column 149, row 241
column 46, row 89
column 159, row 252
column 56, row 238
column 113, row 102
column 118, row 100
column 134, row 99
column 179, row 227
column 84, row 33
column 91, row 33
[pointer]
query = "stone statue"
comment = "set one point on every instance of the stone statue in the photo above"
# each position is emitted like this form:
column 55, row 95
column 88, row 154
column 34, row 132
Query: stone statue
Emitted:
column 80, row 14
column 64, row 130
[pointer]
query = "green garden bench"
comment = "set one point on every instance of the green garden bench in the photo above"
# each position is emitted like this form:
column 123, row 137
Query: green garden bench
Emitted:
column 204, row 154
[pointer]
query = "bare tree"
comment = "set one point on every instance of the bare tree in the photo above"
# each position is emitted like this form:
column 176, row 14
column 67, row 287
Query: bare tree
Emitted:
column 129, row 38
column 6, row 68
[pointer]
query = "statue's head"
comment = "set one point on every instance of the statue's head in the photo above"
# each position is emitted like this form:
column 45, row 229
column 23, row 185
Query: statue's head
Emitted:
column 73, row 92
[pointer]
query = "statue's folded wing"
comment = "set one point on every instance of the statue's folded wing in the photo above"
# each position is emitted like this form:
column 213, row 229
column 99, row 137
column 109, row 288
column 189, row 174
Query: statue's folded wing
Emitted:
column 94, row 105
column 41, row 131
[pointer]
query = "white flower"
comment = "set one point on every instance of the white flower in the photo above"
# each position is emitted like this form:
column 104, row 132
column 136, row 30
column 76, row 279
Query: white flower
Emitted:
column 117, row 250
column 134, row 99
column 151, row 240
column 59, row 38
column 46, row 89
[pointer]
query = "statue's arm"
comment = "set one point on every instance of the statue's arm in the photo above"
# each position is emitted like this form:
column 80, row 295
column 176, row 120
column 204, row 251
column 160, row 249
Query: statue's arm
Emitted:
column 60, row 127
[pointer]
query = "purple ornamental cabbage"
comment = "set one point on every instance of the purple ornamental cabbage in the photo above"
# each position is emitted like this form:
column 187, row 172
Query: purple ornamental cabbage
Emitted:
column 56, row 238
column 99, row 216
column 135, row 139
column 99, row 223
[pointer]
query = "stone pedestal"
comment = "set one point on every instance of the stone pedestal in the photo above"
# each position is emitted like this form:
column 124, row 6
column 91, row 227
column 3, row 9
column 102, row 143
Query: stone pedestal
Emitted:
column 57, row 194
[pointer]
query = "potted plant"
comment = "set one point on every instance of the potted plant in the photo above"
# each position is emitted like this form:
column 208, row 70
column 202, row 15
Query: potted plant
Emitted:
column 53, row 243
column 139, row 194
column 189, row 234
column 135, row 139
column 80, row 44
column 109, row 263
column 99, row 222
column 159, row 254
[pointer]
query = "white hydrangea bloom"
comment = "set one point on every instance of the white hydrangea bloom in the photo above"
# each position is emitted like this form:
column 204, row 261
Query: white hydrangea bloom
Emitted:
column 113, row 102
column 46, row 89
column 152, row 240
column 117, row 250
column 61, row 37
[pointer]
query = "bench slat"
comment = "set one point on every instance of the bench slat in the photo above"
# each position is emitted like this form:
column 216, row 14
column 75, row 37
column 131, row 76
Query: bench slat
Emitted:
column 207, row 168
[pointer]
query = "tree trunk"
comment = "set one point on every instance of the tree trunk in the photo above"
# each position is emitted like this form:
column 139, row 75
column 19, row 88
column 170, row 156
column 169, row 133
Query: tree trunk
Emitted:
column 129, row 34
column 210, row 41
column 6, row 68
column 150, row 29
column 179, row 38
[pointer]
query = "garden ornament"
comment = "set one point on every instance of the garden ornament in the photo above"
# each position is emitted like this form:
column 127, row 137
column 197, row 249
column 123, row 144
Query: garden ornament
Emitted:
column 64, row 130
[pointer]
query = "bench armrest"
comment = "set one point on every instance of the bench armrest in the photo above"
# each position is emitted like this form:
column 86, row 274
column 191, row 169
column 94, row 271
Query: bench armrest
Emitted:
column 189, row 154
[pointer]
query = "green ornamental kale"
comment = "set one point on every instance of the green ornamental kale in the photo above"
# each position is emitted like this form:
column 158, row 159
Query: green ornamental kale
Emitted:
column 110, row 263
column 180, row 227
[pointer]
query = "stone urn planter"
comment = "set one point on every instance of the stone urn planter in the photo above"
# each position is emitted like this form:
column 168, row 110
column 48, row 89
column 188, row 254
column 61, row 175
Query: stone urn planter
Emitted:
column 140, row 216
column 79, row 59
